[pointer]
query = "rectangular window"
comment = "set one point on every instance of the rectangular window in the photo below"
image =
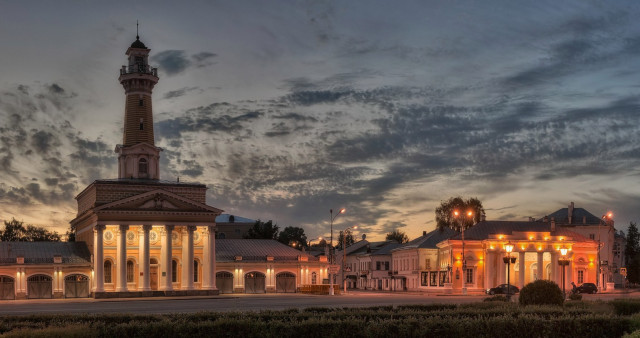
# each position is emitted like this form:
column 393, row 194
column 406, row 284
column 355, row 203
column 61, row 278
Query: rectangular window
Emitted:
column 592, row 236
column 469, row 276
column 443, row 278
column 386, row 266
column 141, row 103
column 434, row 278
column 129, row 271
column 423, row 278
column 427, row 264
column 378, row 265
column 580, row 276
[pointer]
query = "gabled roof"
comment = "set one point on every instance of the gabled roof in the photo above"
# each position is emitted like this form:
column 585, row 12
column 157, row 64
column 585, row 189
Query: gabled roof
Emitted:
column 484, row 229
column 580, row 217
column 429, row 240
column 43, row 252
column 386, row 249
column 256, row 250
column 369, row 248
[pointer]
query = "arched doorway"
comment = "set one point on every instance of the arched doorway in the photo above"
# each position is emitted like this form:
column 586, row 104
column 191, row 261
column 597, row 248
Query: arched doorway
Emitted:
column 153, row 273
column 285, row 282
column 254, row 282
column 224, row 282
column 76, row 286
column 7, row 288
column 39, row 286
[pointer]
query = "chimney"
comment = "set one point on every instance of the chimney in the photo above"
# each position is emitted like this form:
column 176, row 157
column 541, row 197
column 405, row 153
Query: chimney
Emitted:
column 584, row 219
column 553, row 224
column 570, row 213
column 483, row 217
column 424, row 233
column 545, row 219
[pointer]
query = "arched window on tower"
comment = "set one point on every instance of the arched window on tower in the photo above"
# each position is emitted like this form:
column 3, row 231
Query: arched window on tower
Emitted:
column 141, row 122
column 142, row 166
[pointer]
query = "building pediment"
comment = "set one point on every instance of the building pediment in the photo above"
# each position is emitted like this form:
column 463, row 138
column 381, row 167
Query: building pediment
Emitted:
column 157, row 200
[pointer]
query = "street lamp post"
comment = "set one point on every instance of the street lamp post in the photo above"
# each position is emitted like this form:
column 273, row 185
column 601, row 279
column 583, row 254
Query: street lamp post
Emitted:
column 458, row 216
column 563, row 261
column 344, row 254
column 509, row 260
column 331, row 253
column 600, row 284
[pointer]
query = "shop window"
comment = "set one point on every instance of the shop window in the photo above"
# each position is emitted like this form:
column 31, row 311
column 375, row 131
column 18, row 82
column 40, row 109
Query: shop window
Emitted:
column 423, row 278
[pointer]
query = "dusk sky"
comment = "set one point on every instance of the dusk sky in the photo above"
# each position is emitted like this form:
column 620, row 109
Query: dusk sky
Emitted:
column 285, row 109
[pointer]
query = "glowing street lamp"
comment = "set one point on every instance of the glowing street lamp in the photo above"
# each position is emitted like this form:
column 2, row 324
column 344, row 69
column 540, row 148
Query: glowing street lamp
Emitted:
column 563, row 261
column 509, row 260
column 460, row 219
column 344, row 254
column 331, row 253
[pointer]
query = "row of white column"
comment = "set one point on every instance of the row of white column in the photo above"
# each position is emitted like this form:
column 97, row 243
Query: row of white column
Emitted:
column 166, row 254
column 541, row 274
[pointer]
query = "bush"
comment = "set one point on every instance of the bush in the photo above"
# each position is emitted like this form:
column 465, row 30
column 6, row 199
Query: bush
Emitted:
column 626, row 307
column 575, row 296
column 496, row 298
column 541, row 292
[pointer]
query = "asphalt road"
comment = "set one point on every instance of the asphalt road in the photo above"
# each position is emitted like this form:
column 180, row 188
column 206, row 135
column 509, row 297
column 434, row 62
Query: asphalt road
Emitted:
column 238, row 303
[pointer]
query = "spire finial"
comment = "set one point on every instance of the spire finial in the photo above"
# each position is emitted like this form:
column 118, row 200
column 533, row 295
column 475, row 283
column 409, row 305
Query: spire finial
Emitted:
column 137, row 35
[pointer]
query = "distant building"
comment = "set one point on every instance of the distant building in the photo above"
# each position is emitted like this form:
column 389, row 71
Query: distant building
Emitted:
column 233, row 227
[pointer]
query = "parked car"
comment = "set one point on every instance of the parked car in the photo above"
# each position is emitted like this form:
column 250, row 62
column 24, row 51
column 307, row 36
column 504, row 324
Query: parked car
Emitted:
column 587, row 288
column 502, row 290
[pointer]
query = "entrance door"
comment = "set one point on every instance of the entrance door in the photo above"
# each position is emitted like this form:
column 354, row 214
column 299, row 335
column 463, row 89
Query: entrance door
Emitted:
column 153, row 277
column 7, row 288
column 76, row 286
column 39, row 286
column 285, row 282
column 224, row 282
column 254, row 282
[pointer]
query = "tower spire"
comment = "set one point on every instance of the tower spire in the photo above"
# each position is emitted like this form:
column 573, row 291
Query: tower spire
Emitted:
column 137, row 35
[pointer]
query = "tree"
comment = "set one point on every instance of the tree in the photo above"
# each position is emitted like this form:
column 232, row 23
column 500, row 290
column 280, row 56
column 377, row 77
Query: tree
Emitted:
column 349, row 240
column 445, row 217
column 262, row 230
column 15, row 231
column 632, row 253
column 398, row 236
column 293, row 236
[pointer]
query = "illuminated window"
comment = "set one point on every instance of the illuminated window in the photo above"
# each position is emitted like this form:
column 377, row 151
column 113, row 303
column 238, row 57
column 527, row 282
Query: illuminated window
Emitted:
column 314, row 278
column 469, row 276
column 107, row 271
column 580, row 276
column 129, row 271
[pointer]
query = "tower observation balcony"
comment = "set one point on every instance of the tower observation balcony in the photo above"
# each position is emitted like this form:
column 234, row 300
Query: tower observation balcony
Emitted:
column 139, row 69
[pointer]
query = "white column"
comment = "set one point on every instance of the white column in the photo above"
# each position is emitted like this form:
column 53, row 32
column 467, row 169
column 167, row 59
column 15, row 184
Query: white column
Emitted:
column 143, row 249
column 502, row 268
column 206, row 268
column 488, row 270
column 521, row 271
column 121, row 281
column 569, row 277
column 540, row 273
column 554, row 267
column 98, row 257
column 187, row 258
column 212, row 256
column 166, row 258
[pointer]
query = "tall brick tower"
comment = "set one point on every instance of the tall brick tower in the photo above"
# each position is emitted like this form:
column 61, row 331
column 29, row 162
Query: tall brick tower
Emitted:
column 138, row 155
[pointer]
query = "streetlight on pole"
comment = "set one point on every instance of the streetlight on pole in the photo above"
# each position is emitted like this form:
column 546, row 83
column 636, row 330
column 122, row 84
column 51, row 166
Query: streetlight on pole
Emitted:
column 331, row 253
column 509, row 260
column 563, row 261
column 600, row 285
column 344, row 254
column 458, row 216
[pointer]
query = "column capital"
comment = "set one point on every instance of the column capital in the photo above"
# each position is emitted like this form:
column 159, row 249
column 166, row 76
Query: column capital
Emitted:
column 123, row 227
column 169, row 227
column 147, row 227
column 191, row 228
column 99, row 227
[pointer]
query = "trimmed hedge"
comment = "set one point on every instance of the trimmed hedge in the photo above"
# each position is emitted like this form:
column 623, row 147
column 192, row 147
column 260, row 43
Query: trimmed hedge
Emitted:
column 541, row 292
